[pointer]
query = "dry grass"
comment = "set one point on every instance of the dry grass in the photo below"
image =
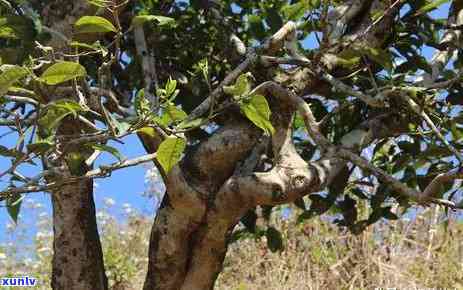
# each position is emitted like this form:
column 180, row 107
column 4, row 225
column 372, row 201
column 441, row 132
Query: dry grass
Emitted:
column 422, row 253
column 411, row 255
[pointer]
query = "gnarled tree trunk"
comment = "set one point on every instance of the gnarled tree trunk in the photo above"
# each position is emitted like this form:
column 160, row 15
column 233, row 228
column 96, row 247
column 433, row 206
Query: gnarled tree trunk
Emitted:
column 223, row 177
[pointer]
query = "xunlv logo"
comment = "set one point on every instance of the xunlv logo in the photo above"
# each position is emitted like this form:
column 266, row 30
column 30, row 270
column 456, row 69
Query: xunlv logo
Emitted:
column 18, row 282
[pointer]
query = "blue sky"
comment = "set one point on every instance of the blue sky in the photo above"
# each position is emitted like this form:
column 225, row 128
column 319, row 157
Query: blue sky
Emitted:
column 124, row 186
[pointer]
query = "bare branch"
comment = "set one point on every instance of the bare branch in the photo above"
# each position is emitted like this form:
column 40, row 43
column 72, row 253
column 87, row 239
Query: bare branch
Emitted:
column 148, row 65
column 451, row 40
column 100, row 172
column 414, row 106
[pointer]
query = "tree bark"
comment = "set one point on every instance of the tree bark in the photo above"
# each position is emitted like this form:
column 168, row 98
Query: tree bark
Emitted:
column 187, row 252
column 78, row 257
column 77, row 254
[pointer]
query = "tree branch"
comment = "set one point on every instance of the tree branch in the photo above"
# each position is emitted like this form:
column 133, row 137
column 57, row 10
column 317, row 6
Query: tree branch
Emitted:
column 100, row 172
column 270, row 46
column 148, row 65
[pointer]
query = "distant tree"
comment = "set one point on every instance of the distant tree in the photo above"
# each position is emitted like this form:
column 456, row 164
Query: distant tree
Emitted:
column 235, row 111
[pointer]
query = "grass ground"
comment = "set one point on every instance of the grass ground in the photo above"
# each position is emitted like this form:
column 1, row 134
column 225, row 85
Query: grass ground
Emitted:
column 423, row 253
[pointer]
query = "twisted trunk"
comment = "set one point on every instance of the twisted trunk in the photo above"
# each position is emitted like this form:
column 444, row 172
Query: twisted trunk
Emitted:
column 221, row 179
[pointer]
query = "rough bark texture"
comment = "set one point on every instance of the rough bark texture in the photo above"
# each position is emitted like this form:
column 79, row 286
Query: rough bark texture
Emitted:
column 78, row 257
column 77, row 254
column 220, row 179
column 77, row 260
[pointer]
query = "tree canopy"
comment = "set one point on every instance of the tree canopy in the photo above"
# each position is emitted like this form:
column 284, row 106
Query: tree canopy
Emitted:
column 242, row 105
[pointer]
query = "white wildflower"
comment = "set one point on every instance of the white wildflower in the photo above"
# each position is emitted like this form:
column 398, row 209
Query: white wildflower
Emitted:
column 109, row 202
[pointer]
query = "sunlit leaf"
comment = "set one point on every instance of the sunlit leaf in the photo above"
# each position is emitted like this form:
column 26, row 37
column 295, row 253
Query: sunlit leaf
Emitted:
column 158, row 19
column 63, row 71
column 380, row 56
column 96, row 46
column 109, row 149
column 170, row 152
column 141, row 103
column 148, row 132
column 9, row 75
column 76, row 163
column 94, row 24
column 191, row 124
column 55, row 113
column 242, row 86
column 297, row 10
column 257, row 111
column 171, row 87
column 16, row 27
column 431, row 6
column 175, row 113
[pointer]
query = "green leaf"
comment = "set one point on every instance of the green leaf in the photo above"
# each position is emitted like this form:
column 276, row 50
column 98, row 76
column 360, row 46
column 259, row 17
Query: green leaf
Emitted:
column 76, row 163
column 380, row 56
column 109, row 149
column 63, row 71
column 8, row 32
column 241, row 87
column 160, row 20
column 351, row 57
column 13, row 205
column 16, row 27
column 170, row 152
column 10, row 75
column 40, row 147
column 148, row 132
column 274, row 239
column 298, row 121
column 171, row 114
column 121, row 126
column 257, row 111
column 175, row 113
column 296, row 10
column 191, row 124
column 141, row 104
column 55, row 112
column 96, row 46
column 256, row 26
column 94, row 24
column 431, row 6
column 4, row 151
column 171, row 87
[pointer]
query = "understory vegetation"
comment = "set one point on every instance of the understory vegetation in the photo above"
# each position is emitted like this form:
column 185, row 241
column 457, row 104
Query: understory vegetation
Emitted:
column 423, row 251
